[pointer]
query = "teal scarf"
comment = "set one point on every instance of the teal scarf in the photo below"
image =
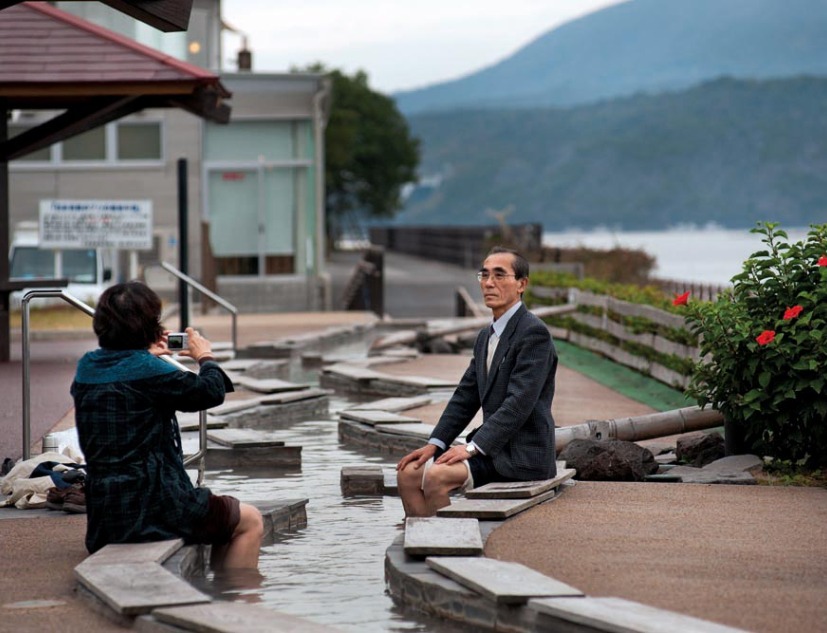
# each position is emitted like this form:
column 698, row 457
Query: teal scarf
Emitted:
column 107, row 365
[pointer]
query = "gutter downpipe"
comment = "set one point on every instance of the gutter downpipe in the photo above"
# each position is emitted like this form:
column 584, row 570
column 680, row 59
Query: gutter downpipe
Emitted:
column 320, row 115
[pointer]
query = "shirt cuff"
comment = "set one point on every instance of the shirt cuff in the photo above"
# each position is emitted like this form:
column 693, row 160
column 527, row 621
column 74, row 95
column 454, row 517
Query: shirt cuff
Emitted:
column 437, row 443
column 476, row 446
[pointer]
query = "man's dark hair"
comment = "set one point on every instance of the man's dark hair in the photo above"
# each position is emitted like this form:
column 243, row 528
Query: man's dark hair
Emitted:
column 128, row 316
column 520, row 262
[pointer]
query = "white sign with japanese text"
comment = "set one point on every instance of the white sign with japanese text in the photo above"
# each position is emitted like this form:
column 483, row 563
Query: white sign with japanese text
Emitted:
column 120, row 224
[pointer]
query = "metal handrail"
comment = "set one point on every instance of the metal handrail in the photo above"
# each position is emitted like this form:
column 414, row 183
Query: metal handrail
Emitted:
column 204, row 290
column 61, row 293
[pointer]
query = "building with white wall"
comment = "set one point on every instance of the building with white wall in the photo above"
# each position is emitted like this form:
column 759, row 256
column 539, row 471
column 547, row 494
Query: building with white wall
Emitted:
column 255, row 186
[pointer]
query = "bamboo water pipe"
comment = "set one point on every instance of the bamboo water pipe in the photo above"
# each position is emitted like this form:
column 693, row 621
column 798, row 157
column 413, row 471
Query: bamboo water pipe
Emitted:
column 642, row 427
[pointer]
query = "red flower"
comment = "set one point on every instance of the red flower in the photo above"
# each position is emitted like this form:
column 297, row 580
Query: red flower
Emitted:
column 766, row 337
column 681, row 300
column 822, row 261
column 791, row 313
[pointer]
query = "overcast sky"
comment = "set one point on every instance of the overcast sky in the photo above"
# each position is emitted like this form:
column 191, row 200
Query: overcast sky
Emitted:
column 401, row 44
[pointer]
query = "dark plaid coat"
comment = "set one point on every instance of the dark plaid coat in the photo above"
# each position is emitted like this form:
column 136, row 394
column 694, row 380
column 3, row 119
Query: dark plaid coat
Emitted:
column 137, row 489
column 517, row 429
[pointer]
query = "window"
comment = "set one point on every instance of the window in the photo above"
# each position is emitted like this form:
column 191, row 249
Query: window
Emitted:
column 139, row 141
column 41, row 155
column 121, row 142
column 90, row 145
column 30, row 262
column 80, row 266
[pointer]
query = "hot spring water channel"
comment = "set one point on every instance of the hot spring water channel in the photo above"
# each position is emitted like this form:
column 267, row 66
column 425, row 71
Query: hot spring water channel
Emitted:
column 332, row 571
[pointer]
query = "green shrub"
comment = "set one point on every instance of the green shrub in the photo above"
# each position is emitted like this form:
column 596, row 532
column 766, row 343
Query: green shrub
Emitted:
column 646, row 295
column 764, row 344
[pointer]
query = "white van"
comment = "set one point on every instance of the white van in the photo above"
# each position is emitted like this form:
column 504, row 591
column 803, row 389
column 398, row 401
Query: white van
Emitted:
column 88, row 270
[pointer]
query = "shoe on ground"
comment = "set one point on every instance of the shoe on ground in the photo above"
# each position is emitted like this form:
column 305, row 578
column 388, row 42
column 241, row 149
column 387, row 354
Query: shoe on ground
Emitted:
column 75, row 501
column 55, row 497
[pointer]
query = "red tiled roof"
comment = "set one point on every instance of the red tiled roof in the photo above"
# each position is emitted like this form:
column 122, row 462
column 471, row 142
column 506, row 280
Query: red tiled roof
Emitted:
column 40, row 44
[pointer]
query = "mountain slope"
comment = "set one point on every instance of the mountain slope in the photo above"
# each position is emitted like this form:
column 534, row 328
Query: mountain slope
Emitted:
column 730, row 152
column 648, row 46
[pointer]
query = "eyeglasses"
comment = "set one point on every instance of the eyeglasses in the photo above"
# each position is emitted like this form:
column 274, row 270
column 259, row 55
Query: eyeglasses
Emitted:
column 496, row 276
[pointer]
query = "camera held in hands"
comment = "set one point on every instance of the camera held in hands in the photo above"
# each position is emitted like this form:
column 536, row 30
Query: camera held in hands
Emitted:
column 177, row 341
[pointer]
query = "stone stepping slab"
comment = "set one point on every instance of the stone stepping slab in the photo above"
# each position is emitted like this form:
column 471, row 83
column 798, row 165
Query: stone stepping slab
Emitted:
column 393, row 404
column 432, row 536
column 378, row 417
column 240, row 364
column 137, row 588
column 403, row 353
column 233, row 406
column 402, row 337
column 362, row 480
column 617, row 614
column 492, row 509
column 353, row 372
column 293, row 396
column 426, row 382
column 390, row 482
column 234, row 377
column 727, row 470
column 123, row 553
column 500, row 581
column 420, row 430
column 281, row 516
column 412, row 429
column 256, row 367
column 269, row 385
column 235, row 617
column 519, row 489
column 270, row 456
column 192, row 422
column 243, row 438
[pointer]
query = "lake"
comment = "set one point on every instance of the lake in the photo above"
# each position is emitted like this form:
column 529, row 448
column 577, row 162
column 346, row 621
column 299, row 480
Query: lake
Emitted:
column 706, row 255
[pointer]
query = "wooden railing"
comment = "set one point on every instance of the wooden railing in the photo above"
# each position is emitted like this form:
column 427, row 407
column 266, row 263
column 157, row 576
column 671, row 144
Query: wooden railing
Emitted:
column 698, row 290
column 609, row 318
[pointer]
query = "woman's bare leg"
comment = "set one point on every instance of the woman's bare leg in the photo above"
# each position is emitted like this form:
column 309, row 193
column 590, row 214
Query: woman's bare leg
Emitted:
column 243, row 549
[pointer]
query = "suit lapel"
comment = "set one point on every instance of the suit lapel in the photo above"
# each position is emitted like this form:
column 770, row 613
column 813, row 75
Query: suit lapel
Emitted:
column 502, row 349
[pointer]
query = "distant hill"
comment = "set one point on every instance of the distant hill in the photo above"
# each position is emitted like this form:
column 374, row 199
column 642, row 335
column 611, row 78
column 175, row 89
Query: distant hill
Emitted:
column 731, row 152
column 644, row 46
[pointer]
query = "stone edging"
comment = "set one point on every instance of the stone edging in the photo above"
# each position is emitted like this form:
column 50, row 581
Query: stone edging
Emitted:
column 414, row 584
column 134, row 585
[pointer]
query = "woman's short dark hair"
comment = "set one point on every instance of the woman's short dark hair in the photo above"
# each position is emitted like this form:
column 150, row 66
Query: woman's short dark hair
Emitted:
column 520, row 263
column 128, row 316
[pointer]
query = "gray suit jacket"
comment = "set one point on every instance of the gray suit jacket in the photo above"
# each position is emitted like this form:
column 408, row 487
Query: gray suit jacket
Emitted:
column 517, row 431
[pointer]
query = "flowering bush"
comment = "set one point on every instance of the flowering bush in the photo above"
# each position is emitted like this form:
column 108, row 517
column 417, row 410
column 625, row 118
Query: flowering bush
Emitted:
column 764, row 349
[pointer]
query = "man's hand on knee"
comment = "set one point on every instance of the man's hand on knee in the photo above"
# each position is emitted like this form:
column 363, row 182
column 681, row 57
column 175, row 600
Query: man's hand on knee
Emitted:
column 417, row 457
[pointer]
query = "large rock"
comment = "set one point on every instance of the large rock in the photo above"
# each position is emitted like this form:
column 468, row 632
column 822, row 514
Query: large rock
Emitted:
column 608, row 460
column 699, row 448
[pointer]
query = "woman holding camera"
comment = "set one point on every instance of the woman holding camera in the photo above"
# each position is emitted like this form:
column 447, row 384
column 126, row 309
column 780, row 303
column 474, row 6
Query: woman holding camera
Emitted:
column 125, row 401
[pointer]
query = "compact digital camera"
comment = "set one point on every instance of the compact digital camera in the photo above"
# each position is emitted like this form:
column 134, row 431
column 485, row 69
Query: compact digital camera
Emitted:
column 177, row 340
